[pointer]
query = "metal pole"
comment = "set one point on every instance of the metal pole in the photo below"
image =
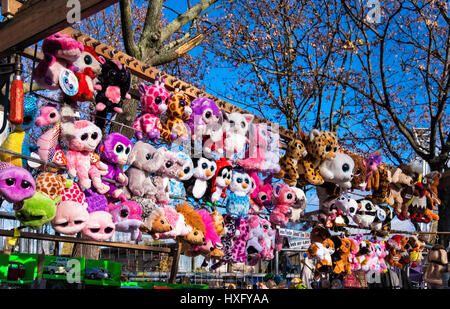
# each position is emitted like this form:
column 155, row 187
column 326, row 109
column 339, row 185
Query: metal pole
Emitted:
column 276, row 262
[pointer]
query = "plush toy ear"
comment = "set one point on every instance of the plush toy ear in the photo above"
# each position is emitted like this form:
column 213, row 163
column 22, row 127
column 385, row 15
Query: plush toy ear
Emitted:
column 313, row 134
column 142, row 88
column 131, row 157
column 277, row 189
column 249, row 117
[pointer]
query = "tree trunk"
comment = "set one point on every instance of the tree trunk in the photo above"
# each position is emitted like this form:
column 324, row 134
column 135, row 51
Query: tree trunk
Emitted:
column 444, row 209
column 86, row 251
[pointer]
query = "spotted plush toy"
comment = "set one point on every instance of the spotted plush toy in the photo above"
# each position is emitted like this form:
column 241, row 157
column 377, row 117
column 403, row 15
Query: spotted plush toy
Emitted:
column 179, row 110
column 52, row 184
column 320, row 145
column 295, row 151
column 154, row 101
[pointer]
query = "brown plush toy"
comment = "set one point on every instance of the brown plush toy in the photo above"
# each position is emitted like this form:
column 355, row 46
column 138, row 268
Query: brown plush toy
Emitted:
column 431, row 183
column 178, row 111
column 320, row 145
column 197, row 236
column 295, row 151
column 399, row 182
column 156, row 222
column 359, row 172
column 341, row 260
column 380, row 193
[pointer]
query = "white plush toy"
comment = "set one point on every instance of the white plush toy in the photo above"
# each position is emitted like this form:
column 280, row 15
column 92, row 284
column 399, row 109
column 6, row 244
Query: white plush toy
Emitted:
column 338, row 170
column 236, row 126
column 204, row 170
column 299, row 206
column 366, row 213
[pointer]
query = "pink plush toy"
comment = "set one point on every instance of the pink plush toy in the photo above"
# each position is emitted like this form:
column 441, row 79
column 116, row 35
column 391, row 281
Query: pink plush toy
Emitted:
column 60, row 52
column 154, row 101
column 371, row 258
column 381, row 253
column 100, row 226
column 71, row 213
column 211, row 237
column 283, row 197
column 260, row 240
column 48, row 142
column 81, row 161
column 176, row 220
column 355, row 260
column 256, row 154
column 262, row 195
column 127, row 218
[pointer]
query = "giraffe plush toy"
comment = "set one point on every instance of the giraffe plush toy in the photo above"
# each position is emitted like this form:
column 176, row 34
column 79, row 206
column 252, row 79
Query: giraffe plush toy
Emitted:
column 52, row 184
column 154, row 101
column 179, row 110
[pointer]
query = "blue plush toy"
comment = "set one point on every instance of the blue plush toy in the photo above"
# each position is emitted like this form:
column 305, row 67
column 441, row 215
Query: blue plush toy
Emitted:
column 177, row 187
column 18, row 139
column 238, row 200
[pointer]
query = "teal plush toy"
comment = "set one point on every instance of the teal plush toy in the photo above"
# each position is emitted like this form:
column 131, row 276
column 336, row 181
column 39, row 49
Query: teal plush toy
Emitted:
column 18, row 139
column 37, row 210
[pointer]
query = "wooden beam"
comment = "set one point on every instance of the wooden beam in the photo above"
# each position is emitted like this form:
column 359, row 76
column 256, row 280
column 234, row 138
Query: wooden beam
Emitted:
column 40, row 19
column 10, row 7
column 47, row 237
column 148, row 73
column 175, row 262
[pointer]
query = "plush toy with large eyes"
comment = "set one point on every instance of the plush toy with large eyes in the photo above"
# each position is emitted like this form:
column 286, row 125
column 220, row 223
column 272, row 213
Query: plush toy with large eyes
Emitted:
column 204, row 112
column 18, row 139
column 16, row 183
column 238, row 200
column 154, row 101
column 236, row 126
column 127, row 218
column 100, row 225
column 262, row 194
column 112, row 89
column 204, row 170
column 338, row 170
column 48, row 142
column 80, row 160
column 114, row 152
column 218, row 185
column 284, row 197
column 176, row 187
column 36, row 211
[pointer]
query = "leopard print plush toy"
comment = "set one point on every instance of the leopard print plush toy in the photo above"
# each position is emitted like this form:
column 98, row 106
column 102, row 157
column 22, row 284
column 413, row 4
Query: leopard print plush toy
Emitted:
column 320, row 145
column 295, row 151
column 178, row 111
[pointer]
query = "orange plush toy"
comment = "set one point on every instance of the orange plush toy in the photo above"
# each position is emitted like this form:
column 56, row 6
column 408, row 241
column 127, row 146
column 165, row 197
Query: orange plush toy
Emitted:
column 322, row 251
column 341, row 256
column 197, row 236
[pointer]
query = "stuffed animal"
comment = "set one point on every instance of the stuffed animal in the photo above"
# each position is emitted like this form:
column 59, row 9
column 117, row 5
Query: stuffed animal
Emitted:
column 395, row 246
column 114, row 153
column 71, row 213
column 52, row 184
column 154, row 100
column 156, row 222
column 204, row 170
column 370, row 258
column 177, row 187
column 89, row 66
column 322, row 252
column 399, row 182
column 289, row 163
column 372, row 163
column 218, row 184
column 381, row 253
column 272, row 154
column 178, row 111
column 127, row 218
column 205, row 112
column 236, row 127
column 359, row 172
column 431, row 183
column 36, row 211
column 382, row 223
column 347, row 205
column 60, row 52
column 197, row 236
column 298, row 208
column 342, row 255
column 81, row 162
column 355, row 261
column 100, row 226
column 143, row 160
column 415, row 249
column 238, row 201
column 261, row 196
column 260, row 244
column 256, row 154
column 48, row 142
column 366, row 214
column 283, row 198
column 219, row 223
column 380, row 194
column 320, row 145
column 112, row 88
column 16, row 183
column 338, row 170
column 19, row 139
column 176, row 221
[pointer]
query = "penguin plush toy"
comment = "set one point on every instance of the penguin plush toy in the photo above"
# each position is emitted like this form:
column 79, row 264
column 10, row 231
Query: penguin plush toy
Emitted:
column 204, row 170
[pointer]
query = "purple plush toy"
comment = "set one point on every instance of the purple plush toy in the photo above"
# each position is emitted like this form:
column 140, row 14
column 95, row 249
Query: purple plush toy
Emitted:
column 16, row 183
column 127, row 218
column 100, row 225
column 114, row 153
column 205, row 113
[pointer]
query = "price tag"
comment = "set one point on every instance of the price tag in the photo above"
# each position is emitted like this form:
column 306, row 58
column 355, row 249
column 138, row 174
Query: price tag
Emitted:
column 12, row 241
column 68, row 82
column 381, row 214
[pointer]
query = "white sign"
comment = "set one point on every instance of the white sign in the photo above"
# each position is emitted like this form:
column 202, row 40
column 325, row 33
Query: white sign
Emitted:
column 293, row 233
column 299, row 244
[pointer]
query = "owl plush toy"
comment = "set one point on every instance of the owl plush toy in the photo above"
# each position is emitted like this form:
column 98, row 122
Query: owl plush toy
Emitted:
column 238, row 200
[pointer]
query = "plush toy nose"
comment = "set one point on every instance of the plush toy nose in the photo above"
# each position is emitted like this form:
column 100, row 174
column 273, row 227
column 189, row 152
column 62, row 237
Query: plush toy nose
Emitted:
column 181, row 174
column 208, row 173
column 244, row 185
column 227, row 182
